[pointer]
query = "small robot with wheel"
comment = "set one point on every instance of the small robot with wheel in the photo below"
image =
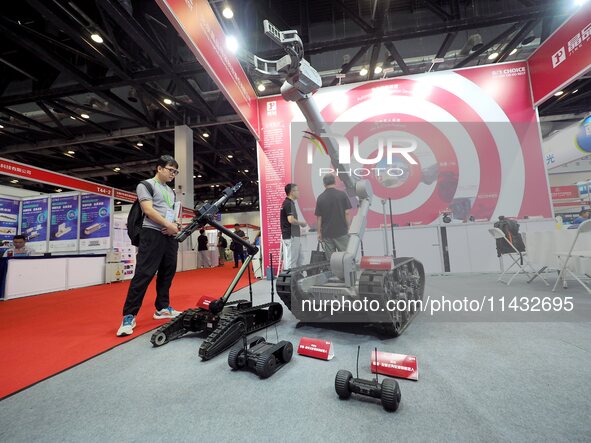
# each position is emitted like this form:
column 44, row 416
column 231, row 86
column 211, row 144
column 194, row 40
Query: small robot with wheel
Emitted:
column 255, row 354
column 388, row 391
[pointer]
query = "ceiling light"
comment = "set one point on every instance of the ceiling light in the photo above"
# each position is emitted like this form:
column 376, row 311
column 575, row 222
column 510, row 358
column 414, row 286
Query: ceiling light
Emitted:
column 230, row 156
column 1, row 127
column 232, row 44
column 212, row 186
column 261, row 87
column 96, row 38
column 118, row 203
column 513, row 52
column 140, row 144
column 13, row 181
column 246, row 170
column 167, row 101
column 217, row 186
column 363, row 72
column 559, row 93
column 206, row 134
column 116, row 169
column 71, row 152
column 493, row 55
column 59, row 190
column 72, row 117
column 199, row 176
column 194, row 176
column 84, row 115
column 575, row 91
column 228, row 13
column 377, row 70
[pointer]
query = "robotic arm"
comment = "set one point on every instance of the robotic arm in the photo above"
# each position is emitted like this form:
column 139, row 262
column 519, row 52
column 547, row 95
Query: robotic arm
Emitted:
column 301, row 81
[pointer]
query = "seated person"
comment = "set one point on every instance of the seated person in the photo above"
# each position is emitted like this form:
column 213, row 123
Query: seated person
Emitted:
column 19, row 249
column 583, row 216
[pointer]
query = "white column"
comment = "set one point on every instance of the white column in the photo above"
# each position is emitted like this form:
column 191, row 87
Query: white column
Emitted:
column 183, row 183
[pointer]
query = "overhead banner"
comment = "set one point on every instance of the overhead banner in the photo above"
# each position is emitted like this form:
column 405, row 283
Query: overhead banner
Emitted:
column 95, row 222
column 34, row 222
column 9, row 210
column 63, row 225
column 198, row 26
column 463, row 142
column 563, row 57
column 568, row 144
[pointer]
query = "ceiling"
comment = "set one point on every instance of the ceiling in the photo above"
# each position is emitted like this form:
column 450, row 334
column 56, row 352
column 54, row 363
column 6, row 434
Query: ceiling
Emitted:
column 142, row 80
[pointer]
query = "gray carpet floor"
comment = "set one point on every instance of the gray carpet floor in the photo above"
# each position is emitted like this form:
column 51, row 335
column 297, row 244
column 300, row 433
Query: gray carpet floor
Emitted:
column 492, row 381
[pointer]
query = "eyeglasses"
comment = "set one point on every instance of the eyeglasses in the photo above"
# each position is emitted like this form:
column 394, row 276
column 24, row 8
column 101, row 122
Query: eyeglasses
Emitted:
column 174, row 171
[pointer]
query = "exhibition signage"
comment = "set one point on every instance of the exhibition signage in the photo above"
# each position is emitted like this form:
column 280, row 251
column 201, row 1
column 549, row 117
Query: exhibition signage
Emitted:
column 563, row 57
column 9, row 210
column 34, row 222
column 124, row 195
column 316, row 348
column 198, row 26
column 63, row 225
column 395, row 365
column 564, row 192
column 95, row 222
column 204, row 302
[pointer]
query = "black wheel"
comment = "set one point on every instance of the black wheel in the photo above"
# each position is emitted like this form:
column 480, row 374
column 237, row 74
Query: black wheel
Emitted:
column 275, row 312
column 266, row 365
column 233, row 357
column 287, row 352
column 390, row 395
column 341, row 384
column 159, row 339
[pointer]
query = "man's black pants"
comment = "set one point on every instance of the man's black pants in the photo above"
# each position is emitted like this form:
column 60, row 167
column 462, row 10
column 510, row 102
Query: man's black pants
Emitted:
column 157, row 253
column 239, row 256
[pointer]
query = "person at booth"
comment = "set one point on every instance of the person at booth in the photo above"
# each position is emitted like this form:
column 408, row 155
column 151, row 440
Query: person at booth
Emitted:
column 19, row 248
column 222, row 245
column 157, row 252
column 293, row 255
column 236, row 248
column 583, row 216
column 203, row 249
column 333, row 209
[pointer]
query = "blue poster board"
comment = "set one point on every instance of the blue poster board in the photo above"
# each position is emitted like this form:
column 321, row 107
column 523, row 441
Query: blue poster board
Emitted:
column 95, row 221
column 9, row 210
column 34, row 220
column 64, row 218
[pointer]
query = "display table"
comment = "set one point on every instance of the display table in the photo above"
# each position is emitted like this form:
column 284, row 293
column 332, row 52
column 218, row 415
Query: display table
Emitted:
column 24, row 276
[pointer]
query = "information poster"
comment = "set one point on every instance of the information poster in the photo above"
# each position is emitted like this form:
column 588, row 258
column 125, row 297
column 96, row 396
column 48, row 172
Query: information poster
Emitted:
column 9, row 209
column 63, row 225
column 95, row 222
column 34, row 223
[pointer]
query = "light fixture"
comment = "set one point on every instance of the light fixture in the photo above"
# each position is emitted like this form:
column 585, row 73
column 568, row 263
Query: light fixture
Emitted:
column 84, row 115
column 116, row 169
column 228, row 13
column 212, row 186
column 1, row 127
column 559, row 93
column 363, row 72
column 72, row 117
column 530, row 38
column 261, row 87
column 206, row 134
column 14, row 181
column 575, row 91
column 246, row 170
column 493, row 56
column 199, row 176
column 230, row 156
column 513, row 52
column 132, row 95
column 473, row 43
column 118, row 203
column 217, row 186
column 96, row 38
column 377, row 70
column 194, row 176
column 140, row 144
column 59, row 190
column 232, row 44
column 71, row 152
column 580, row 2
column 167, row 101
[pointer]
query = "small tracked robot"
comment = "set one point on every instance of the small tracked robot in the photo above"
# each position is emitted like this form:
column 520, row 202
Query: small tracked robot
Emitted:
column 259, row 356
column 388, row 391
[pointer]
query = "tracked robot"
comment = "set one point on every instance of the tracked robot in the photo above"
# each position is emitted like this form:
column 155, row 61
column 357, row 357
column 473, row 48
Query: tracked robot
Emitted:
column 223, row 322
column 343, row 277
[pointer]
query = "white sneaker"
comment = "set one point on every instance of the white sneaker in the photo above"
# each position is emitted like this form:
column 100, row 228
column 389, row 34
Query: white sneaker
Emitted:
column 166, row 313
column 127, row 326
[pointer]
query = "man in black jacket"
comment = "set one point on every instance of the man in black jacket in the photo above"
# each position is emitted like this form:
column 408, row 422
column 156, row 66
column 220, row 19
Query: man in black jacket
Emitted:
column 333, row 217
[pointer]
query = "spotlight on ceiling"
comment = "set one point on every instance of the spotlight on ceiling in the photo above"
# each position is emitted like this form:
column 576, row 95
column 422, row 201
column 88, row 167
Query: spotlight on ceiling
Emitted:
column 377, row 70
column 513, row 52
column 473, row 43
column 206, row 134
column 59, row 190
column 167, row 101
column 71, row 152
column 85, row 116
column 575, row 91
column 558, row 94
column 228, row 13
column 230, row 156
column 493, row 56
column 199, row 176
column 140, row 144
column 194, row 176
column 96, row 37
column 72, row 117
column 116, row 169
column 232, row 44
column 246, row 170
column 261, row 87
column 1, row 127
column 14, row 181
column 363, row 72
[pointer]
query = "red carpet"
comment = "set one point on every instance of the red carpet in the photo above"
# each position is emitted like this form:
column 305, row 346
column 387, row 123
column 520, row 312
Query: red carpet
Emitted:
column 46, row 334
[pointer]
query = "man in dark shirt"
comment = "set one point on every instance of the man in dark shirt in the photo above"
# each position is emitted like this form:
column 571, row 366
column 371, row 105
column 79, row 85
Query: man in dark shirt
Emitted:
column 290, row 229
column 222, row 245
column 333, row 214
column 237, row 248
column 202, row 249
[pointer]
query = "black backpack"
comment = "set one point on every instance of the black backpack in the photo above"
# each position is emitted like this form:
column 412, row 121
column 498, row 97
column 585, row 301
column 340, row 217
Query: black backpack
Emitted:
column 135, row 219
column 511, row 230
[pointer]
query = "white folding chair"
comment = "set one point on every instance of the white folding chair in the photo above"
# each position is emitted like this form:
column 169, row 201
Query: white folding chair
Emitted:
column 519, row 260
column 566, row 256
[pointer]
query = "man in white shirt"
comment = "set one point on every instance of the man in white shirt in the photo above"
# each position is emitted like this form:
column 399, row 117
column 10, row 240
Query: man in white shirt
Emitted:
column 19, row 249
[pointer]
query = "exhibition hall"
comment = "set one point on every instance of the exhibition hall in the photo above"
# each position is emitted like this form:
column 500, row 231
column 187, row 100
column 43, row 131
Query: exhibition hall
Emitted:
column 295, row 220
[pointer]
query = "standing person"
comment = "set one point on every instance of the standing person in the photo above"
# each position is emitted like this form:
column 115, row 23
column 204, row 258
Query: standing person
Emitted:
column 19, row 248
column 237, row 248
column 333, row 209
column 202, row 249
column 290, row 229
column 222, row 245
column 157, row 252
